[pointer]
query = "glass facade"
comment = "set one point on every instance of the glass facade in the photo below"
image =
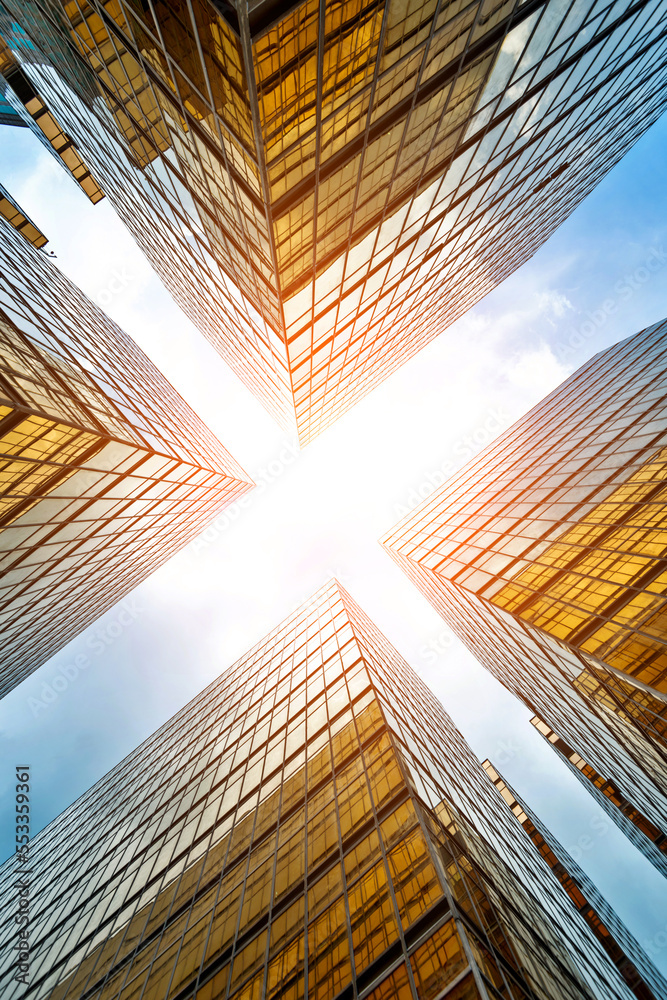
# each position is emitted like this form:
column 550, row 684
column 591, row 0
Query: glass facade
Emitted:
column 21, row 105
column 546, row 554
column 342, row 179
column 9, row 115
column 638, row 828
column 104, row 470
column 645, row 981
column 15, row 216
column 312, row 824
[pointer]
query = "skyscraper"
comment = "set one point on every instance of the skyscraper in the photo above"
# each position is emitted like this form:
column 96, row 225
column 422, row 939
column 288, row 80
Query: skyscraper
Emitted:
column 21, row 106
column 105, row 470
column 324, row 187
column 546, row 555
column 643, row 833
column 312, row 824
column 631, row 960
column 18, row 220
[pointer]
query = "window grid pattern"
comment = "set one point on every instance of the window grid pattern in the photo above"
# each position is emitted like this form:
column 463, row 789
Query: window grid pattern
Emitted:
column 12, row 212
column 172, row 203
column 344, row 179
column 553, row 538
column 629, row 698
column 637, row 827
column 296, row 830
column 40, row 121
column 104, row 470
column 637, row 969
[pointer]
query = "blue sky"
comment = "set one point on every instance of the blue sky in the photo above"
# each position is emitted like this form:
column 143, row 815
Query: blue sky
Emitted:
column 321, row 513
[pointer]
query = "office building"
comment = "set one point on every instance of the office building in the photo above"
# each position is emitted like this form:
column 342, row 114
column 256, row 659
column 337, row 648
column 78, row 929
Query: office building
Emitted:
column 628, row 956
column 105, row 471
column 546, row 555
column 21, row 106
column 643, row 833
column 325, row 187
column 312, row 824
column 18, row 220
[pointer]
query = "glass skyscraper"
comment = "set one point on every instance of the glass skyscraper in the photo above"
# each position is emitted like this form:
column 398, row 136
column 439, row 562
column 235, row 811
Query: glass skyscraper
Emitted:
column 311, row 825
column 21, row 106
column 104, row 470
column 546, row 555
column 639, row 972
column 325, row 186
column 643, row 833
column 14, row 214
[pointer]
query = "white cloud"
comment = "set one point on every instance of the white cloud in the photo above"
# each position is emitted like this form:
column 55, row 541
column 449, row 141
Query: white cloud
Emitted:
column 536, row 371
column 323, row 515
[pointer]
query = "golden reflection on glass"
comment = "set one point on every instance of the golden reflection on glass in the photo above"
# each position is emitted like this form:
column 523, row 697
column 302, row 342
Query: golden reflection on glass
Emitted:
column 21, row 223
column 438, row 961
column 324, row 872
column 594, row 573
column 605, row 785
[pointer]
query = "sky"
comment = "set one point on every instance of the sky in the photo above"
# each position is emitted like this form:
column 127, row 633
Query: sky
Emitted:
column 320, row 513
